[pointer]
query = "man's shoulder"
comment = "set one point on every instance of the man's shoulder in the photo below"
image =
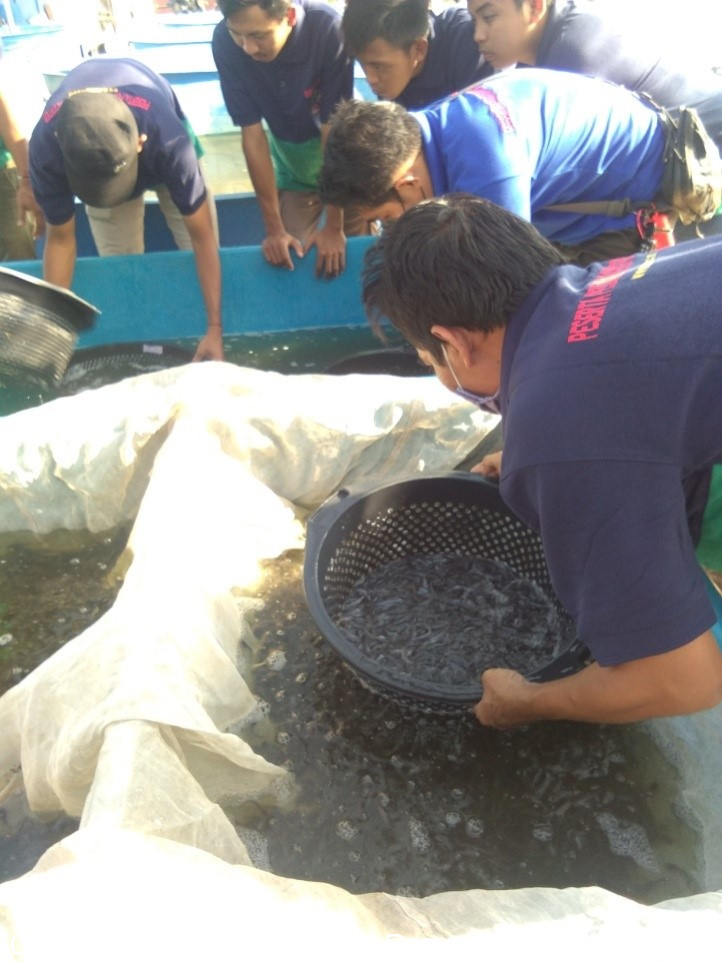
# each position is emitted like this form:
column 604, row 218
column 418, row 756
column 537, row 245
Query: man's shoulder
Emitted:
column 451, row 20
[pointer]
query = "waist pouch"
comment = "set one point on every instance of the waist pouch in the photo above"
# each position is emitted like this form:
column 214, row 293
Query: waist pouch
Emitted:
column 691, row 185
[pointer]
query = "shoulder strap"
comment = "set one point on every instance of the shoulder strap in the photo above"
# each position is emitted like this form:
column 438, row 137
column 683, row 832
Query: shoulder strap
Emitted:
column 605, row 208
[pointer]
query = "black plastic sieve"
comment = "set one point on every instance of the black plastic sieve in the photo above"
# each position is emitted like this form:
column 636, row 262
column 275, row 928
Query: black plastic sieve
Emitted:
column 96, row 366
column 353, row 534
column 399, row 361
column 39, row 325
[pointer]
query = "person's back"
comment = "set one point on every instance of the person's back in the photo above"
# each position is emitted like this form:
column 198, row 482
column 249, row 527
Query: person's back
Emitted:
column 169, row 154
column 531, row 139
column 611, row 381
column 410, row 54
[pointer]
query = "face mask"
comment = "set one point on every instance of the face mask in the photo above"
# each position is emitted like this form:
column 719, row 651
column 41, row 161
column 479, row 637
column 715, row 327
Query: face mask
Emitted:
column 488, row 402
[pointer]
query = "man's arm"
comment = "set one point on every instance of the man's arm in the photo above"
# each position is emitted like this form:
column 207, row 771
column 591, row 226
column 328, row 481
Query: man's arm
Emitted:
column 277, row 241
column 17, row 144
column 330, row 240
column 678, row 682
column 208, row 266
column 60, row 253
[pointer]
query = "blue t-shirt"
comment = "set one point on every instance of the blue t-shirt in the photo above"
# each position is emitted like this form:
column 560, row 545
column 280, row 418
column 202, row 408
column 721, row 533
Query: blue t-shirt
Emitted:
column 297, row 91
column 640, row 51
column 453, row 60
column 168, row 156
column 527, row 139
column 611, row 393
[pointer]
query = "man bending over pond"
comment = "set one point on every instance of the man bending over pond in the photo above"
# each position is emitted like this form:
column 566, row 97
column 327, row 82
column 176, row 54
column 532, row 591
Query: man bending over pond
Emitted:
column 609, row 382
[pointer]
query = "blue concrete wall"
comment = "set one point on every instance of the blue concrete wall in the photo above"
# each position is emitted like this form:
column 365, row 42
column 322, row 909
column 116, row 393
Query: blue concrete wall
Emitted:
column 157, row 296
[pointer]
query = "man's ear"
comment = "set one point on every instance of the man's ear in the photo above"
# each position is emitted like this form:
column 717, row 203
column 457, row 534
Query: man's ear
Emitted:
column 290, row 16
column 457, row 341
column 462, row 346
column 419, row 49
column 537, row 10
column 141, row 141
column 405, row 180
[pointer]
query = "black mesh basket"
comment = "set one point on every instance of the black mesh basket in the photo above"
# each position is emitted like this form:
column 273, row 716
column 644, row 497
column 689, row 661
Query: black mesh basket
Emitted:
column 352, row 535
column 400, row 361
column 94, row 367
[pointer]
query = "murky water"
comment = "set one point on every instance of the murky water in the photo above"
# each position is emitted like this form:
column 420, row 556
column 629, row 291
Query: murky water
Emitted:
column 51, row 589
column 297, row 352
column 409, row 803
column 389, row 799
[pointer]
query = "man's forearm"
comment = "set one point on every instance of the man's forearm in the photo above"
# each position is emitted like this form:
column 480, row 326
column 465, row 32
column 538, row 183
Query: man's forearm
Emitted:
column 59, row 259
column 679, row 682
column 334, row 217
column 263, row 178
column 208, row 262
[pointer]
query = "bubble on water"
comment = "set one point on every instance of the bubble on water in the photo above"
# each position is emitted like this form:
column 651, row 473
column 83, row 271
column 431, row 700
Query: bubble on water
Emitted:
column 407, row 892
column 283, row 738
column 452, row 819
column 280, row 695
column 6, row 640
column 256, row 846
column 542, row 833
column 474, row 828
column 276, row 659
column 384, row 799
column 102, row 566
column 420, row 841
column 354, row 856
column 346, row 830
column 301, row 678
column 628, row 839
column 75, row 561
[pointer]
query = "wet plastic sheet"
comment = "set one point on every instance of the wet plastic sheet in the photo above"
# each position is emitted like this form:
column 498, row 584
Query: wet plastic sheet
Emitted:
column 127, row 726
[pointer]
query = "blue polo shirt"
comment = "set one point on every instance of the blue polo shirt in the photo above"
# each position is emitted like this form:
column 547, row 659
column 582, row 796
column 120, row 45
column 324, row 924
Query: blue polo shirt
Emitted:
column 638, row 51
column 453, row 60
column 611, row 393
column 168, row 156
column 294, row 94
column 527, row 139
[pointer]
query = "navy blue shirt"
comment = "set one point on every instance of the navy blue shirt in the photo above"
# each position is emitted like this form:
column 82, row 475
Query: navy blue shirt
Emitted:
column 611, row 392
column 527, row 139
column 297, row 91
column 639, row 51
column 168, row 156
column 453, row 60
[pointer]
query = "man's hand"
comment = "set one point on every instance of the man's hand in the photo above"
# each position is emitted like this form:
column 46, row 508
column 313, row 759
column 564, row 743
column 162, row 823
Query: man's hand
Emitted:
column 277, row 249
column 27, row 205
column 505, row 702
column 330, row 243
column 210, row 347
column 489, row 466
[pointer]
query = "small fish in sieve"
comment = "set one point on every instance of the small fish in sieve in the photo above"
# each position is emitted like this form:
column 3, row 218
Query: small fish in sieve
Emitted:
column 445, row 618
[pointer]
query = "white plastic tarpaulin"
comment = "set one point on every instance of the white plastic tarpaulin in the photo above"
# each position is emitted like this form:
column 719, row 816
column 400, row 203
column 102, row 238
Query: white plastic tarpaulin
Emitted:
column 127, row 725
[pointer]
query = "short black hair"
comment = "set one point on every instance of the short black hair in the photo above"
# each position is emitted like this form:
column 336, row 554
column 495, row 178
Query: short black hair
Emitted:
column 458, row 260
column 275, row 9
column 398, row 22
column 366, row 145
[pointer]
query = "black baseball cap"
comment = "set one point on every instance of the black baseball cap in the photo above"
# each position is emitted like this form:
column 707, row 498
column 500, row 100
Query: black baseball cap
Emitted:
column 98, row 138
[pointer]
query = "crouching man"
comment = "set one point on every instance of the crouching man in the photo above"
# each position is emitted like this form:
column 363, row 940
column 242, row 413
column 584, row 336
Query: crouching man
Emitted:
column 609, row 382
column 111, row 131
